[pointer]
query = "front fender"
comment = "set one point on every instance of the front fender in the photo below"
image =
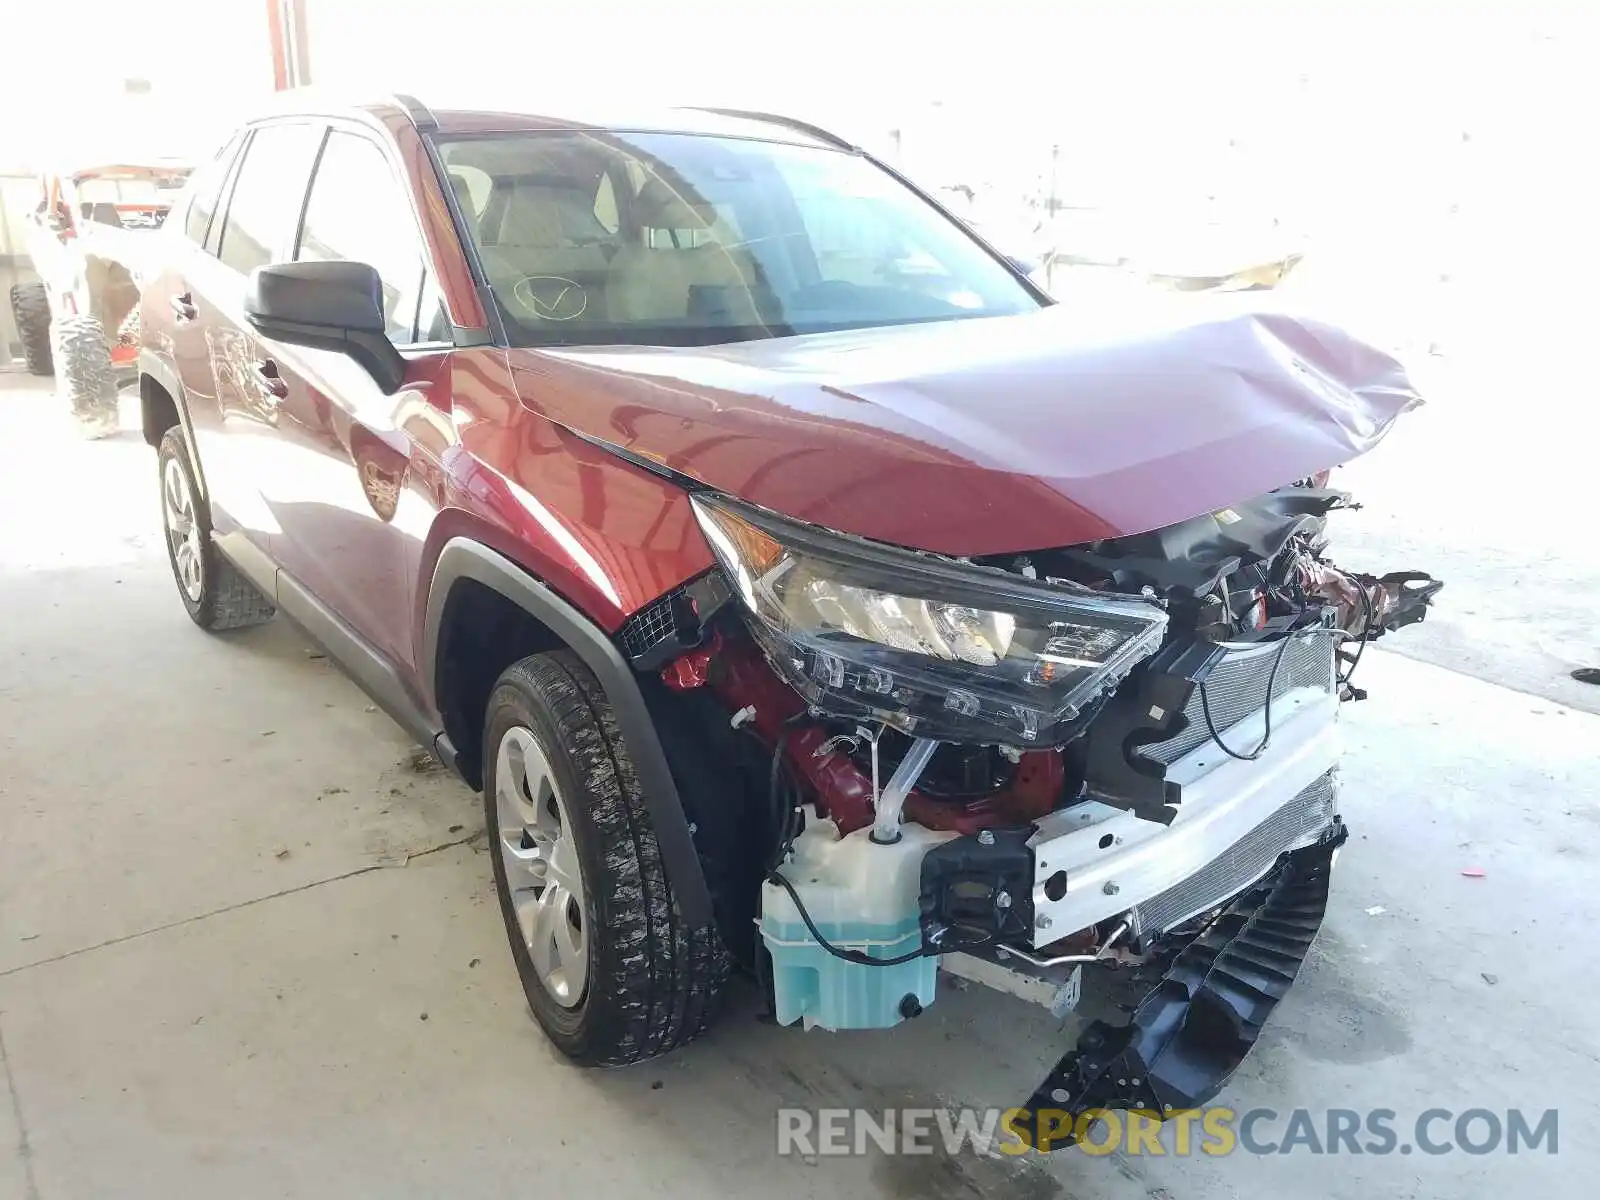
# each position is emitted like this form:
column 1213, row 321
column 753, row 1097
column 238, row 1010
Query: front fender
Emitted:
column 160, row 369
column 462, row 558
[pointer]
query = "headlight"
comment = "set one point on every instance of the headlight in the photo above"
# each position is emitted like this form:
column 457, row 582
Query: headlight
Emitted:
column 941, row 649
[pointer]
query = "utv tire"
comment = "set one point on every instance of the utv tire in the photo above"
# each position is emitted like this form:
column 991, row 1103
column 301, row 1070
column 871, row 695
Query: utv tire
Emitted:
column 554, row 760
column 215, row 593
column 84, row 374
column 30, row 309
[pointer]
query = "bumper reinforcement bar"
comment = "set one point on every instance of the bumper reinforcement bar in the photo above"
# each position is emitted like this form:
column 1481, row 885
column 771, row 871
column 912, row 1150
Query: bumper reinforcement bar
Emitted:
column 1190, row 1033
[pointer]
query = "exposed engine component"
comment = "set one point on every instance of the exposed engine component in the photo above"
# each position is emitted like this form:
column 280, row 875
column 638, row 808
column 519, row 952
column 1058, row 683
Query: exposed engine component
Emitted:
column 956, row 774
column 963, row 789
column 1365, row 607
column 1234, row 572
column 1198, row 556
column 1369, row 605
column 908, row 817
column 978, row 890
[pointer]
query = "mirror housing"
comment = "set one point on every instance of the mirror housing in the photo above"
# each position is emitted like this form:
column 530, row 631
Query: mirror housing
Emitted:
column 328, row 306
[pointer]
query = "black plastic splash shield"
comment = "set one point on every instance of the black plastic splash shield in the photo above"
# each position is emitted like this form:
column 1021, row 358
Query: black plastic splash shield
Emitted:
column 1190, row 1033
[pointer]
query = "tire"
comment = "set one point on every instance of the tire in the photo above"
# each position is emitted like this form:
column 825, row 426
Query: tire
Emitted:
column 215, row 593
column 30, row 309
column 650, row 982
column 84, row 374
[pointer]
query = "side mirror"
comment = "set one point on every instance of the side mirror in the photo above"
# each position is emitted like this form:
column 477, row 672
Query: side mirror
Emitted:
column 328, row 306
column 1024, row 266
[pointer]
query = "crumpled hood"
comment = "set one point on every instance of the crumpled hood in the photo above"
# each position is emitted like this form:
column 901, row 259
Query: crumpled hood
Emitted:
column 992, row 435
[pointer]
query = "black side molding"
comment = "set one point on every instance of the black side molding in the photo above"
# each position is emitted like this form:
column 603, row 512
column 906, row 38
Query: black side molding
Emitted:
column 358, row 658
column 153, row 365
column 462, row 558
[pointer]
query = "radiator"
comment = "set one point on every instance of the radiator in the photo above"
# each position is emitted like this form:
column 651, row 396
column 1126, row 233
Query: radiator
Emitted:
column 1251, row 857
column 1237, row 687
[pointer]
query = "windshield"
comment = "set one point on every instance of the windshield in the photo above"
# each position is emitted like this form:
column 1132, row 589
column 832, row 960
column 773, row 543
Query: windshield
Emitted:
column 603, row 238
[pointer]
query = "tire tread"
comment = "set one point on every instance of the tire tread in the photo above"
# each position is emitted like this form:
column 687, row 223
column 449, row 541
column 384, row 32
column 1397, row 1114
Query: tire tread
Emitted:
column 83, row 370
column 663, row 979
column 30, row 309
column 228, row 600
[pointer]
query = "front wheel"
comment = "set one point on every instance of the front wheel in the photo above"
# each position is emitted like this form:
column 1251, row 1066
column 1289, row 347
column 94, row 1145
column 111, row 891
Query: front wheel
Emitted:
column 611, row 971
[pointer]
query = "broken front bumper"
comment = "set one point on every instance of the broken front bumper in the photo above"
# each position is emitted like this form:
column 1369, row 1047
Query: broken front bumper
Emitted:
column 1094, row 863
column 1189, row 1034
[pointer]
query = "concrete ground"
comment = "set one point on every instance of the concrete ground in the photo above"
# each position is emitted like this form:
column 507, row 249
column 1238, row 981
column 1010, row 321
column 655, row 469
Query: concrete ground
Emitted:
column 249, row 948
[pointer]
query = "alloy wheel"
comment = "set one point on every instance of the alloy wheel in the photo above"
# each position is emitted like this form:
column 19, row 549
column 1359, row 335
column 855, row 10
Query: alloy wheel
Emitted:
column 542, row 871
column 183, row 531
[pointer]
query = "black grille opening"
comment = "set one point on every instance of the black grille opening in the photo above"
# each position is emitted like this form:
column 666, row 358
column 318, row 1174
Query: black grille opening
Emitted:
column 667, row 627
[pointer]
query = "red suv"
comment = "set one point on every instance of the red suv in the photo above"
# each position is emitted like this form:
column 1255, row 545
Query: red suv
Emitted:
column 805, row 590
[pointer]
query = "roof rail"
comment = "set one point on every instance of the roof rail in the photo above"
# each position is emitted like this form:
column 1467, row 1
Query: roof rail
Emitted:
column 805, row 127
column 421, row 115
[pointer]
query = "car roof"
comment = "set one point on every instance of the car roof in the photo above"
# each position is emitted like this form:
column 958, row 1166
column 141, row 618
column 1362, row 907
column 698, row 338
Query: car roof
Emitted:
column 468, row 118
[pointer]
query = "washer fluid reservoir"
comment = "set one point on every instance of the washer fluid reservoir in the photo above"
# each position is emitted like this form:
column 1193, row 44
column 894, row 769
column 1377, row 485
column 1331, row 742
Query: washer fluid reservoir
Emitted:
column 862, row 896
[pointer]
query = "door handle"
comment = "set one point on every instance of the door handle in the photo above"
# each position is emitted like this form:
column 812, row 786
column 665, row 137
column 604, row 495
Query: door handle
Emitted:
column 183, row 308
column 271, row 382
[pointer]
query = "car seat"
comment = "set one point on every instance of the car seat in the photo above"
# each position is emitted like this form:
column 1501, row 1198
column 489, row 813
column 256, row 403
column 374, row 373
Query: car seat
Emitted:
column 546, row 230
column 653, row 284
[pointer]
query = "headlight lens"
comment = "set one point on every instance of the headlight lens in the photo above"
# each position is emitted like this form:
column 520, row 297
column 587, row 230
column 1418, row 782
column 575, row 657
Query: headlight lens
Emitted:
column 942, row 649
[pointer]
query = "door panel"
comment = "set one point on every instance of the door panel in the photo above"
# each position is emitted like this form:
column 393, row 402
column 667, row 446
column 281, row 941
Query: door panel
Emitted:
column 240, row 410
column 346, row 490
column 175, row 313
column 340, row 489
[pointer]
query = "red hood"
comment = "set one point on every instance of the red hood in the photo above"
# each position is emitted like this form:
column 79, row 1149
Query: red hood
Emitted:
column 993, row 435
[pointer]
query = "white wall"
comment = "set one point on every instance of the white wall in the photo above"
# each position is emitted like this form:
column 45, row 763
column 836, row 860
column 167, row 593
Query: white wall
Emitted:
column 1408, row 141
column 63, row 69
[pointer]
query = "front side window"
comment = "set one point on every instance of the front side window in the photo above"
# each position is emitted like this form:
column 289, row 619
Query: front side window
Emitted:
column 358, row 212
column 683, row 239
column 205, row 188
column 267, row 194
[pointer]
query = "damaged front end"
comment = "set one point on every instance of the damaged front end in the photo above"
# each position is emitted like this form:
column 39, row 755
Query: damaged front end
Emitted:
column 1123, row 752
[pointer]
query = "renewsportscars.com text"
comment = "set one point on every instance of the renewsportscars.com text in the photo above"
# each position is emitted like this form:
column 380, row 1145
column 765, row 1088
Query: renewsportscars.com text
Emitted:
column 1215, row 1131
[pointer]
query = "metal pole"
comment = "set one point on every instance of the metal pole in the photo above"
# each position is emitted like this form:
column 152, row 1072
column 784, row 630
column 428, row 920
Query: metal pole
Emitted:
column 1053, row 208
column 291, row 59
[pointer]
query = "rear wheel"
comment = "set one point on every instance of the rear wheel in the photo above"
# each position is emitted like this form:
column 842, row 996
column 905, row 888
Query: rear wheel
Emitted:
column 611, row 971
column 30, row 309
column 215, row 593
column 83, row 371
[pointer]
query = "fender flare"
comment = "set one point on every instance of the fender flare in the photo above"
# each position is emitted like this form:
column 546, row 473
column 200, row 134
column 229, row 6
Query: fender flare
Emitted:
column 153, row 365
column 462, row 558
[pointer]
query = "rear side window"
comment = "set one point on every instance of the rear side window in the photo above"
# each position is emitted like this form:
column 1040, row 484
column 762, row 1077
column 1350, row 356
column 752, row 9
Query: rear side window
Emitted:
column 358, row 212
column 267, row 195
column 205, row 188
